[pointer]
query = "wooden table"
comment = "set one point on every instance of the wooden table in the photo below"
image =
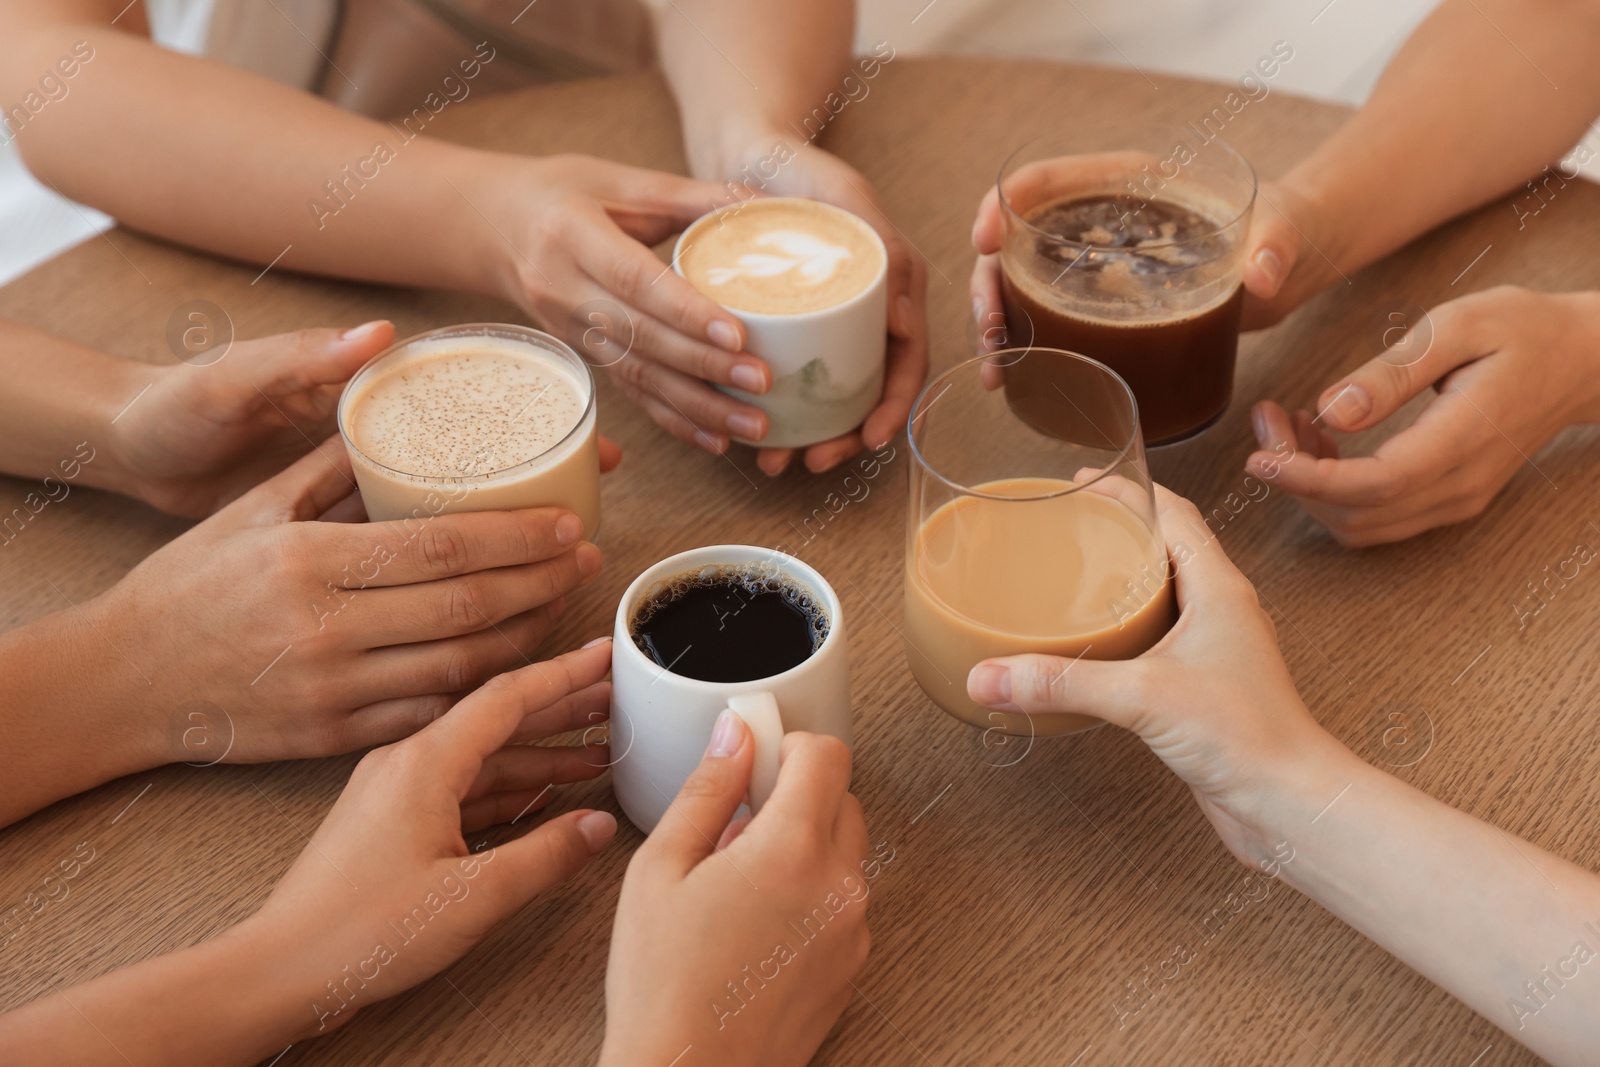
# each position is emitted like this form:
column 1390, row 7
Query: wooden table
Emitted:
column 1025, row 893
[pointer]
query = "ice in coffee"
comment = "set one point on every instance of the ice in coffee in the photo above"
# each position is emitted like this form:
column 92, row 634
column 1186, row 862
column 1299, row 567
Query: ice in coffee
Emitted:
column 1029, row 539
column 484, row 417
column 1132, row 257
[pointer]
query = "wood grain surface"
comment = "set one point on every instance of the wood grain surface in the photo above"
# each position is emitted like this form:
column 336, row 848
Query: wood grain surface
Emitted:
column 1032, row 886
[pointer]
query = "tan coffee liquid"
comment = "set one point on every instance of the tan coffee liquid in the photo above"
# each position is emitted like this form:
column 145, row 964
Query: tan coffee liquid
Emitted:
column 1076, row 574
column 781, row 257
column 473, row 424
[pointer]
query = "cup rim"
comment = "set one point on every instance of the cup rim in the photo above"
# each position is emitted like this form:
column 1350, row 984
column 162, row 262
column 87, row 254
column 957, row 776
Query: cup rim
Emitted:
column 502, row 330
column 687, row 560
column 918, row 410
column 1221, row 227
column 866, row 293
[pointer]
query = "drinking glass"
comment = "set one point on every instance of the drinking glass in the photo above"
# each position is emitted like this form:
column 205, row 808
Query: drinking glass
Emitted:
column 1021, row 540
column 1145, row 277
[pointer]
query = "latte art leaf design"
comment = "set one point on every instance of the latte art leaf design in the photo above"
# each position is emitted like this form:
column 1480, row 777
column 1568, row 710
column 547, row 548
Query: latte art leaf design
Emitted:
column 814, row 258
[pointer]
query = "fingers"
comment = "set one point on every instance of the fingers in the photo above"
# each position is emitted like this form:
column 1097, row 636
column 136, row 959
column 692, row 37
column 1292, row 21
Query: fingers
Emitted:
column 1271, row 250
column 813, row 774
column 453, row 665
column 906, row 368
column 299, row 493
column 828, row 454
column 702, row 406
column 610, row 454
column 987, row 310
column 483, row 722
column 701, row 811
column 298, row 362
column 774, row 461
column 1419, row 354
column 1407, row 463
column 446, row 546
column 451, row 607
column 731, row 834
column 522, row 768
column 549, row 855
column 1037, row 684
column 987, row 231
column 672, row 420
column 589, row 709
column 1204, row 572
column 631, row 272
column 850, row 828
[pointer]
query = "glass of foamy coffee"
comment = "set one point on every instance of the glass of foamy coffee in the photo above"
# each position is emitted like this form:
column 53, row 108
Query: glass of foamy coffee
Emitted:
column 810, row 283
column 480, row 417
column 1126, row 244
column 1028, row 539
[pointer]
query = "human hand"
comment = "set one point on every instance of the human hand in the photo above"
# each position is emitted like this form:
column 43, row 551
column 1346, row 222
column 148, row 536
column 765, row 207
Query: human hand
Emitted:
column 1284, row 264
column 581, row 237
column 1512, row 368
column 204, row 434
column 387, row 893
column 706, row 904
column 820, row 175
column 312, row 637
column 1213, row 699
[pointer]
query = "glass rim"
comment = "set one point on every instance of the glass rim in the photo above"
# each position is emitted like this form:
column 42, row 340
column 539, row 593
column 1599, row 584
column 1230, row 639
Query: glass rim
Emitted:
column 1005, row 205
column 504, row 330
column 918, row 409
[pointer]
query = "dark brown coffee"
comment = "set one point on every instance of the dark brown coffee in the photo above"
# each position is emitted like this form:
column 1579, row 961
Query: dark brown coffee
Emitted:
column 1179, row 368
column 730, row 624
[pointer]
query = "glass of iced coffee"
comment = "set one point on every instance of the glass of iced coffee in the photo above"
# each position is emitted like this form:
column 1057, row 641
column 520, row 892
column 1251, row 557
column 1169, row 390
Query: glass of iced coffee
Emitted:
column 479, row 417
column 1028, row 539
column 1125, row 243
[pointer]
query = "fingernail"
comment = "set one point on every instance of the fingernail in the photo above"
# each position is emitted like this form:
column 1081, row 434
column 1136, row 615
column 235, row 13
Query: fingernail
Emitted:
column 724, row 335
column 726, row 737
column 748, row 378
column 1348, row 406
column 1269, row 264
column 568, row 529
column 990, row 684
column 710, row 442
column 747, row 426
column 598, row 641
column 1258, row 421
column 597, row 828
column 362, row 332
column 588, row 560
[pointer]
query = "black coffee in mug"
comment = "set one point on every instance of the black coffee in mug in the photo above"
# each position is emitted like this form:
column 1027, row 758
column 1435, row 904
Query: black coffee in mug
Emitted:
column 734, row 623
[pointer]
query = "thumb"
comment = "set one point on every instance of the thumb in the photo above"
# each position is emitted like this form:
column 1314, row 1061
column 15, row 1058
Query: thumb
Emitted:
column 987, row 233
column 695, row 821
column 297, row 362
column 1036, row 684
column 299, row 493
column 549, row 855
column 1271, row 251
column 1416, row 355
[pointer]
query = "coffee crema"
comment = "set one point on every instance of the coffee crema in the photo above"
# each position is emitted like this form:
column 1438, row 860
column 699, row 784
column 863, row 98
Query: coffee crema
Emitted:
column 729, row 623
column 465, row 409
column 781, row 257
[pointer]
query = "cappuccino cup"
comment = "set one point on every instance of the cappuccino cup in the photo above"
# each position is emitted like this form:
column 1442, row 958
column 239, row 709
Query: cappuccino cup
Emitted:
column 809, row 281
column 725, row 627
column 479, row 417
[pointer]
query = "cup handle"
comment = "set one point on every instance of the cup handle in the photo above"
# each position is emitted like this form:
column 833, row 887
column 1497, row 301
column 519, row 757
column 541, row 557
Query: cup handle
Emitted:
column 759, row 710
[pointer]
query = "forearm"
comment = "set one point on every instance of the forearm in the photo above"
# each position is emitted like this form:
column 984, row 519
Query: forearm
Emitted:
column 1478, row 911
column 748, row 72
column 74, row 711
column 58, row 409
column 220, row 159
column 1462, row 115
column 220, row 1002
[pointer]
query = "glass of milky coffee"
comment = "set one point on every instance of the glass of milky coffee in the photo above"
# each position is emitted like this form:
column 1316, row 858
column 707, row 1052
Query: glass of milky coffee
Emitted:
column 809, row 281
column 1126, row 243
column 1021, row 539
column 480, row 417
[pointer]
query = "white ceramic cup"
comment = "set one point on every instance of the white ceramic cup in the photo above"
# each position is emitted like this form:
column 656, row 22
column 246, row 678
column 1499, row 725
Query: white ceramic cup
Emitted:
column 661, row 722
column 827, row 365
